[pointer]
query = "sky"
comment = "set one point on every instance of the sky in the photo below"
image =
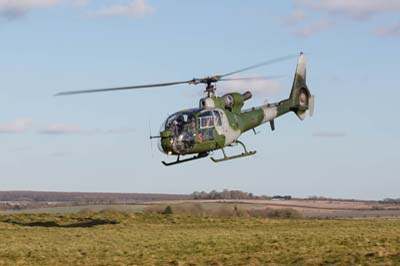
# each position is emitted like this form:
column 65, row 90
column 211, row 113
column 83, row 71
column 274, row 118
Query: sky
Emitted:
column 100, row 142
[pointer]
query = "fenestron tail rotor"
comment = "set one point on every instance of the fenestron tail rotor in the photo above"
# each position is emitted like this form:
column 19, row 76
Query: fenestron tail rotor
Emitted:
column 209, row 81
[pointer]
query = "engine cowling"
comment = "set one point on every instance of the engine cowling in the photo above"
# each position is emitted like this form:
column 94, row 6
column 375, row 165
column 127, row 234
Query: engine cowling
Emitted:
column 235, row 101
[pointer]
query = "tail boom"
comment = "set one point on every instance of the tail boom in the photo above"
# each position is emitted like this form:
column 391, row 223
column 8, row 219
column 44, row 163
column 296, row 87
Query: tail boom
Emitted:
column 300, row 100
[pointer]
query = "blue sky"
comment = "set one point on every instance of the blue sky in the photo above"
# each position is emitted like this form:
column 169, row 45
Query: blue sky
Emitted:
column 350, row 148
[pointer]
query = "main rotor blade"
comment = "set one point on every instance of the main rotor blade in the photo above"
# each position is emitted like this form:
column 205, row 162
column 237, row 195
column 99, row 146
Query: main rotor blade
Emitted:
column 206, row 80
column 124, row 88
column 265, row 63
column 253, row 78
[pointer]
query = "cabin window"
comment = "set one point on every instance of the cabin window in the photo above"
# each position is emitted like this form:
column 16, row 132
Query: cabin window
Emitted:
column 207, row 134
column 217, row 118
column 206, row 120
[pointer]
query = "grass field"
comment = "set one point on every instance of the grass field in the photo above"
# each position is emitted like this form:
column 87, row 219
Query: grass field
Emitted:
column 139, row 239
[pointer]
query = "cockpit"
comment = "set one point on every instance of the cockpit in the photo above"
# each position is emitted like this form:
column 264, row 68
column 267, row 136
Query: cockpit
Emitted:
column 182, row 129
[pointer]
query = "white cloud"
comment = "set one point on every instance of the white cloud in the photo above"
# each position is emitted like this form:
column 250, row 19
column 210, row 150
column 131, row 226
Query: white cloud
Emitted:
column 60, row 129
column 80, row 3
column 296, row 17
column 389, row 31
column 11, row 9
column 18, row 126
column 313, row 28
column 259, row 87
column 134, row 8
column 121, row 130
column 65, row 129
column 321, row 14
column 359, row 9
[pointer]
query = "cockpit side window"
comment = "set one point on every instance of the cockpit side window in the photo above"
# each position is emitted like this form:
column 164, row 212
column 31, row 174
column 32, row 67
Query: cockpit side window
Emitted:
column 170, row 120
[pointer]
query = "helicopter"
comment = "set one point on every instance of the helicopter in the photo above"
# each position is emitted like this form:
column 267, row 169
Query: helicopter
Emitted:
column 219, row 121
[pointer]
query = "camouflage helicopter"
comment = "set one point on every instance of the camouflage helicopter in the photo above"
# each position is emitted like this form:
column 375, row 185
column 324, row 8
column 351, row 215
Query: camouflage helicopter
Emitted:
column 218, row 122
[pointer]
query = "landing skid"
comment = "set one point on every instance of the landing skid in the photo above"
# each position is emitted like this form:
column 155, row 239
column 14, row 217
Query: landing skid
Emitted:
column 227, row 158
column 178, row 161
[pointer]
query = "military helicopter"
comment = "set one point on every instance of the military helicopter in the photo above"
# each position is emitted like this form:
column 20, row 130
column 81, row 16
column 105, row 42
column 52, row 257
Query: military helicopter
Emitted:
column 218, row 122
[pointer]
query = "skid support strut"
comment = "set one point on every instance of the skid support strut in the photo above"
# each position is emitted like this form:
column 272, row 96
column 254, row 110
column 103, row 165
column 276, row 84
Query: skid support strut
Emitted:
column 226, row 158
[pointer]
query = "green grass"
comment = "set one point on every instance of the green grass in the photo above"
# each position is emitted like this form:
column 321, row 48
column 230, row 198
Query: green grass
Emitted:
column 137, row 239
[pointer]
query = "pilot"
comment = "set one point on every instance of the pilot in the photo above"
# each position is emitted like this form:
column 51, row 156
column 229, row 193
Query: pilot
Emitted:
column 192, row 124
column 179, row 123
column 189, row 132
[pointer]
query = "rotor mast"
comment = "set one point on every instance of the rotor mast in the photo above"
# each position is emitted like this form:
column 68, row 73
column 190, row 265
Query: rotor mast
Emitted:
column 211, row 86
column 210, row 90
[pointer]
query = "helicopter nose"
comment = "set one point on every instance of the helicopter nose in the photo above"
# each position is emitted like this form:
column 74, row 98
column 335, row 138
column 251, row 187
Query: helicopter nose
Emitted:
column 166, row 133
column 166, row 141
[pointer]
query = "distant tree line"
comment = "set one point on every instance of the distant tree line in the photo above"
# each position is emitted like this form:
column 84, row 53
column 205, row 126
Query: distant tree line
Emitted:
column 391, row 201
column 225, row 194
column 323, row 198
column 86, row 198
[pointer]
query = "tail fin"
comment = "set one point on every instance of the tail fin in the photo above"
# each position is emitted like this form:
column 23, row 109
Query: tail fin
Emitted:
column 300, row 96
